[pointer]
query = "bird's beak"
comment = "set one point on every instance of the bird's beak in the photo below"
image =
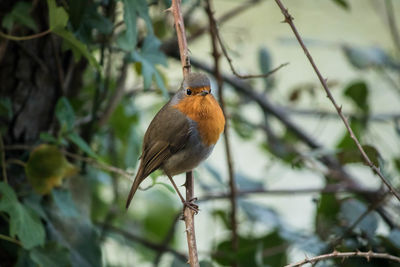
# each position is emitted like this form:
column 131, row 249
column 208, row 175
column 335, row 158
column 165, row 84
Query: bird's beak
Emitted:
column 204, row 93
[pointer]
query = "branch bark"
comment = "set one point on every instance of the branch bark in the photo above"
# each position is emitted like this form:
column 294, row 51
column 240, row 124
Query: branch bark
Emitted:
column 185, row 61
column 344, row 255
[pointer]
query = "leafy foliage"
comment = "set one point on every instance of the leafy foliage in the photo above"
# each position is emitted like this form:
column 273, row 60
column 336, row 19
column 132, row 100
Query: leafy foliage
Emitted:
column 107, row 65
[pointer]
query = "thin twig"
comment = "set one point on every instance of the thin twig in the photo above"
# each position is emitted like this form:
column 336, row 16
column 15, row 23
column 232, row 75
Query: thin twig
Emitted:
column 23, row 38
column 99, row 165
column 344, row 255
column 189, row 184
column 289, row 20
column 3, row 160
column 220, row 83
column 10, row 239
column 225, row 52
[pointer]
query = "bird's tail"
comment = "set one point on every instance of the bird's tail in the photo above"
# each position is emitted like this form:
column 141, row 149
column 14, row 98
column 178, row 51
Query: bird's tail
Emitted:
column 138, row 179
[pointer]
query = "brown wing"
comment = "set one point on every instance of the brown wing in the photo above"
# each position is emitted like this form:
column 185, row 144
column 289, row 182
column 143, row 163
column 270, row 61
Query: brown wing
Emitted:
column 167, row 134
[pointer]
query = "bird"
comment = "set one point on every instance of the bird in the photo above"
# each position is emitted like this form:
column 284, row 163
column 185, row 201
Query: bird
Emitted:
column 182, row 134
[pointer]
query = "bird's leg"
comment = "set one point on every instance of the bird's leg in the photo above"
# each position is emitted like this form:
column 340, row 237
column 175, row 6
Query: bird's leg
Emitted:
column 189, row 203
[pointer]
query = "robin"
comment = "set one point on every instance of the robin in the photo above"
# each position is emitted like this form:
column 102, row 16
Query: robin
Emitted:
column 182, row 134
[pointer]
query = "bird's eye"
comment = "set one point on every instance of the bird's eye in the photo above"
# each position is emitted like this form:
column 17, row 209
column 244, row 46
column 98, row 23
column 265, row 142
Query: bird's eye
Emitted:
column 188, row 91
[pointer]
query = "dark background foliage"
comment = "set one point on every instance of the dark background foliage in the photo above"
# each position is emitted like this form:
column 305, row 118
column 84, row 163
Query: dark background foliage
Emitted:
column 71, row 130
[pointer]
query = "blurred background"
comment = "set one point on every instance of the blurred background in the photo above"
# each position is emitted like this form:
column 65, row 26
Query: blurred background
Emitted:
column 80, row 82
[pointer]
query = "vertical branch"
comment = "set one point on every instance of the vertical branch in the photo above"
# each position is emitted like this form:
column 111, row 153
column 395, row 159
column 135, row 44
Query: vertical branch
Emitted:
column 375, row 169
column 185, row 61
column 189, row 222
column 217, row 72
column 180, row 32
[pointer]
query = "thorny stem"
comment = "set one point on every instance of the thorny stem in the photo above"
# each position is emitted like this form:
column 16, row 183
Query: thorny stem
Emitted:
column 289, row 20
column 344, row 255
column 217, row 73
column 185, row 61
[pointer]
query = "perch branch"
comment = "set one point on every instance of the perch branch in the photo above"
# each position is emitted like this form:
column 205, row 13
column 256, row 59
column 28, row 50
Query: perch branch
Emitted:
column 220, row 83
column 289, row 20
column 344, row 255
column 185, row 61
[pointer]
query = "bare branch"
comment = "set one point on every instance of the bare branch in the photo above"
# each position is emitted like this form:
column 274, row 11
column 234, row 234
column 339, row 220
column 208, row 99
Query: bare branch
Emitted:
column 344, row 255
column 185, row 61
column 289, row 20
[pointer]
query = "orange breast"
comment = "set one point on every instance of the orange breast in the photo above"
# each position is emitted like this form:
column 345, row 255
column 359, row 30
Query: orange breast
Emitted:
column 207, row 113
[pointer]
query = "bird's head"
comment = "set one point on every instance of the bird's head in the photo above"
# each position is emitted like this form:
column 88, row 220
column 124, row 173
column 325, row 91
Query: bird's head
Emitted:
column 196, row 84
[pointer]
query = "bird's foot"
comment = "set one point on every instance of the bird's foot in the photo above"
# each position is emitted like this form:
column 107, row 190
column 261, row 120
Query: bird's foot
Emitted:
column 191, row 205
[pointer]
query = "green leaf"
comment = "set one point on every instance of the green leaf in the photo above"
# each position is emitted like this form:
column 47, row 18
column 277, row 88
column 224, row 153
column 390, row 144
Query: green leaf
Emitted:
column 251, row 251
column 342, row 3
column 346, row 142
column 149, row 56
column 326, row 218
column 58, row 17
column 24, row 223
column 52, row 254
column 47, row 167
column 77, row 140
column 244, row 130
column 353, row 155
column 358, row 93
column 65, row 113
column 20, row 14
column 132, row 9
column 352, row 209
column 77, row 47
column 48, row 138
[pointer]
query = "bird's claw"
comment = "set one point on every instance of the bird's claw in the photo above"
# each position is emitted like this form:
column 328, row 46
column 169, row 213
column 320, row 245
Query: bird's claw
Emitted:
column 189, row 204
